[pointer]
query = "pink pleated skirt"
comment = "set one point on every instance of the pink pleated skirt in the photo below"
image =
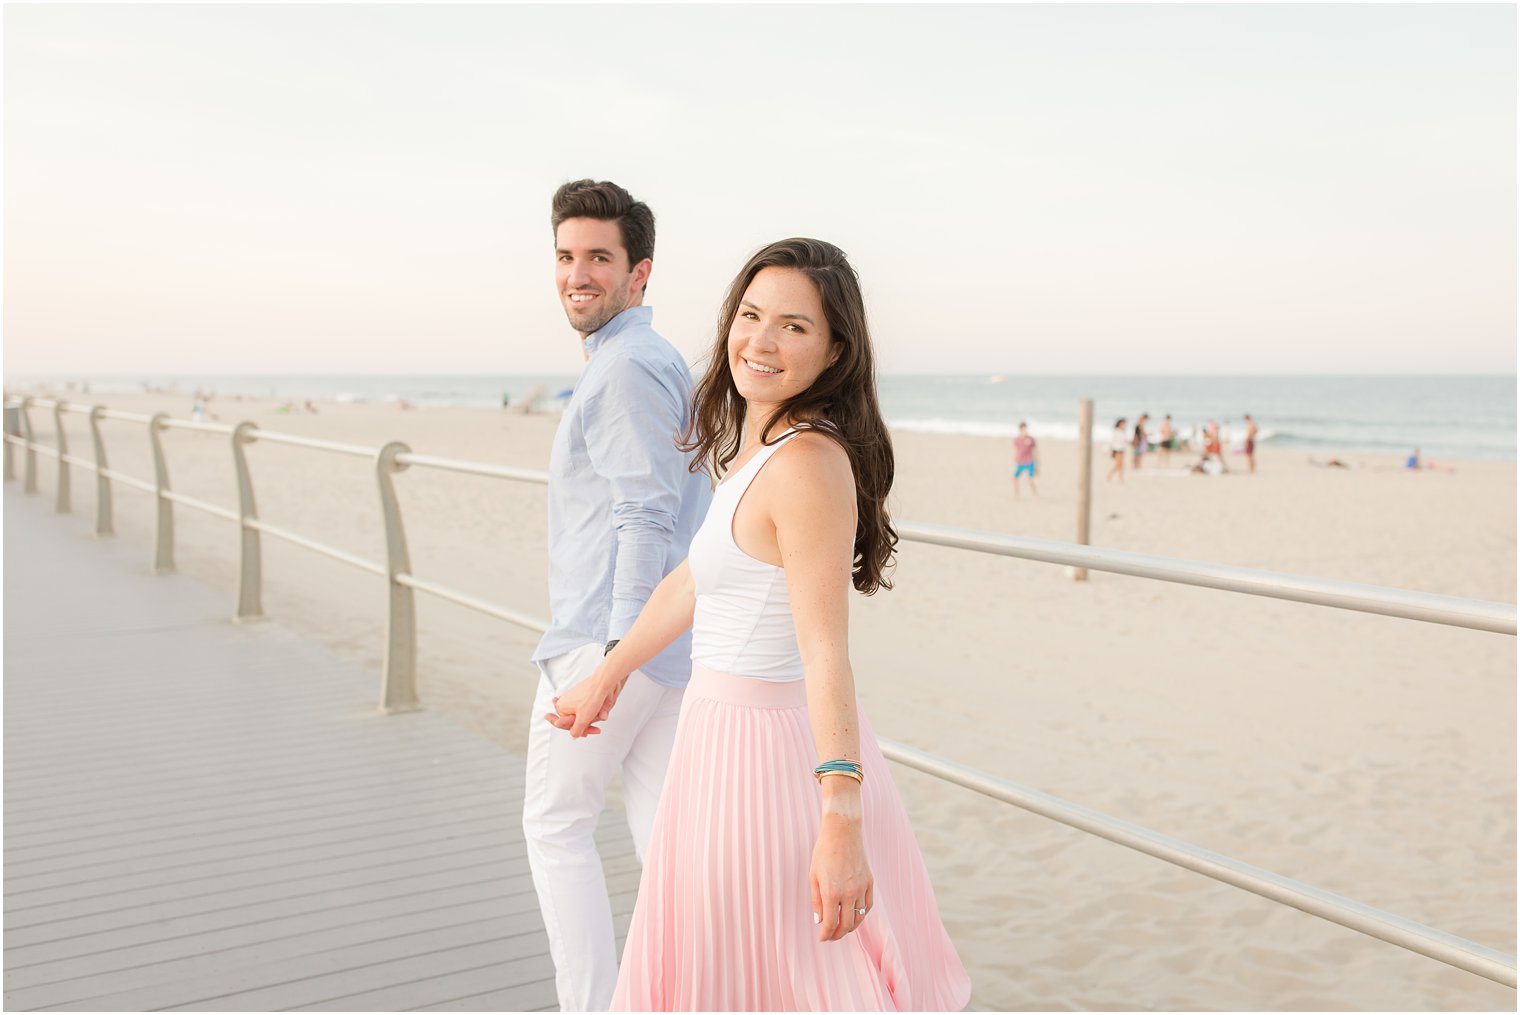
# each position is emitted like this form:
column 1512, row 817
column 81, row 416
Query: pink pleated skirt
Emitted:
column 724, row 918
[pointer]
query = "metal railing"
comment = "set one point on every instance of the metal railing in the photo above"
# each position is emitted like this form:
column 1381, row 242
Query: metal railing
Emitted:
column 399, row 667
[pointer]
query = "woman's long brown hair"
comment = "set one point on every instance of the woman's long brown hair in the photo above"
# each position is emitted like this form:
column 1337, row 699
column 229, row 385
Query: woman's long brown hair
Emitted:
column 841, row 404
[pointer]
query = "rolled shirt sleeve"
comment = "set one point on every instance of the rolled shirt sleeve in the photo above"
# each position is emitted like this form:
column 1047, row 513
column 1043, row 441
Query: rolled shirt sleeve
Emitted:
column 632, row 423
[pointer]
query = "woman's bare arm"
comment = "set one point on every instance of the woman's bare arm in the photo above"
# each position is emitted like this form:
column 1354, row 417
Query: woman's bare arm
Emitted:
column 809, row 495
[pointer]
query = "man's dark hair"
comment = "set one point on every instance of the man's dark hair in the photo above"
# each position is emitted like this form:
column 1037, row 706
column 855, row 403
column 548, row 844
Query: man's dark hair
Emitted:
column 607, row 201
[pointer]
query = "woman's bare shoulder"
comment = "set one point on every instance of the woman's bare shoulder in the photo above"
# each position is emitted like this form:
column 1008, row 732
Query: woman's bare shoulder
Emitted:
column 813, row 464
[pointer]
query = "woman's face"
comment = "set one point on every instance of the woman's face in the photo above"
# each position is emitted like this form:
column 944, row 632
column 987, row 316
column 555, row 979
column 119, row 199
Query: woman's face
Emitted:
column 779, row 342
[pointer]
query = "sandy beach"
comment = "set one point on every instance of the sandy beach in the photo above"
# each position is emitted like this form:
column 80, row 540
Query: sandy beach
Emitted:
column 1366, row 755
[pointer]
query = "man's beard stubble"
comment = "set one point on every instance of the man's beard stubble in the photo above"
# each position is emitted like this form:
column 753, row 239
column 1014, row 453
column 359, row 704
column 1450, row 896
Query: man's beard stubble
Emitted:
column 612, row 304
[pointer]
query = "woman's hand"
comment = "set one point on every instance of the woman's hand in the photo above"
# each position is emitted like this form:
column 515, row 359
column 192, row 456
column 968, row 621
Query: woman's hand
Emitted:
column 664, row 618
column 840, row 875
column 585, row 703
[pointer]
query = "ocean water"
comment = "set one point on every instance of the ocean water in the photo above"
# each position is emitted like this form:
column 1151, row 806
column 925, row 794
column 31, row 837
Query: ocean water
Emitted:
column 1456, row 417
column 1445, row 417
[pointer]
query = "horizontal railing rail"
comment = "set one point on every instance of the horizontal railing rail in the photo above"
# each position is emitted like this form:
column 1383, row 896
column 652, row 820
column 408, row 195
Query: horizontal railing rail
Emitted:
column 1424, row 606
column 126, row 480
column 170, row 423
column 511, row 616
column 201, row 505
column 398, row 684
column 311, row 544
column 538, row 476
column 313, row 443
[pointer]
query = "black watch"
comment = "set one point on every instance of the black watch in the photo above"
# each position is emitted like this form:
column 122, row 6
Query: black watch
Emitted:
column 611, row 645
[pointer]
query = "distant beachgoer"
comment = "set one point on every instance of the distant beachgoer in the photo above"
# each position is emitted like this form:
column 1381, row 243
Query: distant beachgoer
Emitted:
column 1118, row 444
column 1140, row 443
column 1251, row 442
column 506, row 399
column 1213, row 447
column 198, row 409
column 1167, row 440
column 310, row 408
column 1329, row 463
column 1025, row 459
column 1415, row 462
column 1212, row 443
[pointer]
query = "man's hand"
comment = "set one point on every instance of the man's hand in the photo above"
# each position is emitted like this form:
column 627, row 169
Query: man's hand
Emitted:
column 583, row 705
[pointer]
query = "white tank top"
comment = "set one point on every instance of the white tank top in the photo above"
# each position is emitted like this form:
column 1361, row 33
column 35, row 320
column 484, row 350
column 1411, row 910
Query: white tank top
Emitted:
column 743, row 622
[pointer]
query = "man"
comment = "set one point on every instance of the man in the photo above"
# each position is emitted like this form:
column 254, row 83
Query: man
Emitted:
column 1251, row 430
column 1025, row 452
column 622, row 511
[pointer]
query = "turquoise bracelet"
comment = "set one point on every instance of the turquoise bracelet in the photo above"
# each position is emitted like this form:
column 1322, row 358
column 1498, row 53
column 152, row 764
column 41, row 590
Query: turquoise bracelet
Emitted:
column 840, row 766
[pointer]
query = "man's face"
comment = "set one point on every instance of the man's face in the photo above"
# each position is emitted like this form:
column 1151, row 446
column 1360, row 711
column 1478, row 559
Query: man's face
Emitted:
column 594, row 278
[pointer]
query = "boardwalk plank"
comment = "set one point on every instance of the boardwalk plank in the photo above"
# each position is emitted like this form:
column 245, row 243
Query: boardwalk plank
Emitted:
column 478, row 980
column 178, row 887
column 261, row 798
column 538, row 996
column 392, row 984
column 336, row 809
column 517, row 935
column 107, row 871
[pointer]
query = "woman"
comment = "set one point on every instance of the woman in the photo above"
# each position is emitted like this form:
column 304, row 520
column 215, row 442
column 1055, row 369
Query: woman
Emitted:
column 1118, row 443
column 782, row 872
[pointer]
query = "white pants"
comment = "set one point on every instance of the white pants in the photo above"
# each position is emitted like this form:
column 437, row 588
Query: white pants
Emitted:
column 566, row 788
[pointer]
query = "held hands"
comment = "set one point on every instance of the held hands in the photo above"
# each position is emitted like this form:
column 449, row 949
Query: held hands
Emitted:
column 840, row 875
column 586, row 703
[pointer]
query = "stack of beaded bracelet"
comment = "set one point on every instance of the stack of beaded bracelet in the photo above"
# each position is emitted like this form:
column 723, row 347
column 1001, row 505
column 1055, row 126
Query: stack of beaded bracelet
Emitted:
column 839, row 766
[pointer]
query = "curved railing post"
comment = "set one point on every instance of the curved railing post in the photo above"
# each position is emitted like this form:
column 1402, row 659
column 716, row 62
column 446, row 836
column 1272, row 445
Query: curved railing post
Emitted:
column 102, row 484
column 61, row 502
column 163, row 540
column 250, row 604
column 31, row 452
column 12, row 429
column 30, row 485
column 398, row 689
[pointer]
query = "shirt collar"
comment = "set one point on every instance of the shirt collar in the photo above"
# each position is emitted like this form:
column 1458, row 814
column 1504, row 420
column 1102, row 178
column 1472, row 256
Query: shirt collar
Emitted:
column 619, row 324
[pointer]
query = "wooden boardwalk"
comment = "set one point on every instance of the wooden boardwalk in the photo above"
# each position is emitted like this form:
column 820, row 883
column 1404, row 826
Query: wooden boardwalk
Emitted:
column 207, row 816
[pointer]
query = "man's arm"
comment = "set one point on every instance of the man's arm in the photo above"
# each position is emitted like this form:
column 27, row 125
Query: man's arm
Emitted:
column 632, row 421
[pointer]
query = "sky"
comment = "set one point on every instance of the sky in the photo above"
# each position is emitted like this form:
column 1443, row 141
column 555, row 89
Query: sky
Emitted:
column 1033, row 189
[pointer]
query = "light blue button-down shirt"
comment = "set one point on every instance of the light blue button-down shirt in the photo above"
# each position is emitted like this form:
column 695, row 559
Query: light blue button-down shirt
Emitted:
column 622, row 504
